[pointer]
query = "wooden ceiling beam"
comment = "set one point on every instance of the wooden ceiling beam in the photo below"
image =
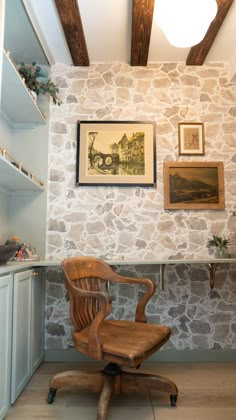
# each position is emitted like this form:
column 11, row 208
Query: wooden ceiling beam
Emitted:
column 142, row 15
column 69, row 15
column 198, row 53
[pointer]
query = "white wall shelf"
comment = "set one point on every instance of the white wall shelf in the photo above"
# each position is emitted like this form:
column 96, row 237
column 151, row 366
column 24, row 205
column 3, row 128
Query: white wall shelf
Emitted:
column 17, row 103
column 13, row 179
column 24, row 131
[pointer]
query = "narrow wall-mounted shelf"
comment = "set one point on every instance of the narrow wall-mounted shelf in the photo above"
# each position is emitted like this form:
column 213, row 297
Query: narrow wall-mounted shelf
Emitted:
column 17, row 103
column 14, row 178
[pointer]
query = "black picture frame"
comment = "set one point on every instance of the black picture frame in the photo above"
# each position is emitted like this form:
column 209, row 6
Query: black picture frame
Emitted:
column 120, row 153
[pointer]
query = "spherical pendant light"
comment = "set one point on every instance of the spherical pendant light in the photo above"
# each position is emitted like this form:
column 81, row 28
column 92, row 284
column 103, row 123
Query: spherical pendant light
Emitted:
column 185, row 22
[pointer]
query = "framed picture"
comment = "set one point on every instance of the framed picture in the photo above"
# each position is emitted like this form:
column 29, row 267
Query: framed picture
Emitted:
column 194, row 185
column 116, row 153
column 191, row 138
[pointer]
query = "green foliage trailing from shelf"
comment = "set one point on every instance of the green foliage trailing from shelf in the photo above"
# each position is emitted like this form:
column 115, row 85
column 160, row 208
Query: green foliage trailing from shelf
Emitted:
column 218, row 241
column 37, row 80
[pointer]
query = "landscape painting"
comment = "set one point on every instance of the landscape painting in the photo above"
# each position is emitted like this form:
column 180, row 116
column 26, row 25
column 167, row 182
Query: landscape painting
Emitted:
column 193, row 185
column 115, row 153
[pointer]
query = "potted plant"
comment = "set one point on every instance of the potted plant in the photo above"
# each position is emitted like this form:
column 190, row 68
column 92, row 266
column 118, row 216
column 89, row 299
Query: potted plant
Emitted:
column 221, row 246
column 37, row 81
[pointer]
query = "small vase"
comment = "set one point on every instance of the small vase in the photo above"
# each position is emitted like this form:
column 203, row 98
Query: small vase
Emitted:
column 221, row 253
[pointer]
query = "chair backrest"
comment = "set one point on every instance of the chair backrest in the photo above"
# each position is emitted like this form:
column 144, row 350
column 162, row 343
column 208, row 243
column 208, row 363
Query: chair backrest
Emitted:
column 85, row 274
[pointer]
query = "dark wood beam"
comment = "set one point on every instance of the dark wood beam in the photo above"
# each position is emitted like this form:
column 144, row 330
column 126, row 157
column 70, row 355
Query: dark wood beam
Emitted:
column 69, row 14
column 198, row 52
column 142, row 16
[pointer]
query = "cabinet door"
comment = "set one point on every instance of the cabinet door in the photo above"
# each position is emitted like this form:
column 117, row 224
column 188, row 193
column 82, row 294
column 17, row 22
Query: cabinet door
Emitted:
column 21, row 341
column 5, row 340
column 37, row 320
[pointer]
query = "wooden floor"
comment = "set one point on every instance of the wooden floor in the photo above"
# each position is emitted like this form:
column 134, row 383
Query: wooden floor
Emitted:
column 207, row 391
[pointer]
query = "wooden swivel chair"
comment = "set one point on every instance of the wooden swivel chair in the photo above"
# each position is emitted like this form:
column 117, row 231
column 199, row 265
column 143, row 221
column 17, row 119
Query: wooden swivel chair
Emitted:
column 122, row 343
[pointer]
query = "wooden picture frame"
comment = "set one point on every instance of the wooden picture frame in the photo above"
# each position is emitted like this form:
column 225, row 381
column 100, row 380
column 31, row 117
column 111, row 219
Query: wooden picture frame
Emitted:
column 116, row 153
column 191, row 138
column 194, row 185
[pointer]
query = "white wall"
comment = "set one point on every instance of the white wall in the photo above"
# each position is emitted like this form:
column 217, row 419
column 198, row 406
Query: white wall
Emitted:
column 4, row 217
column 24, row 214
column 2, row 12
column 5, row 135
column 28, row 210
column 5, row 143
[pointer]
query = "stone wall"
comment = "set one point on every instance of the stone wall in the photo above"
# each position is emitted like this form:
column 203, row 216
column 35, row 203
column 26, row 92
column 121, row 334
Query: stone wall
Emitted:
column 130, row 223
column 200, row 318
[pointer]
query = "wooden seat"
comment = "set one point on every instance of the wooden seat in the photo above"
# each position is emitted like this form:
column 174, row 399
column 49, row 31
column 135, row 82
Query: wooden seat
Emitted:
column 122, row 343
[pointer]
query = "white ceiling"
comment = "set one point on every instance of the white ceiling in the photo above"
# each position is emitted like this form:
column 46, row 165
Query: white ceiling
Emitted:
column 107, row 28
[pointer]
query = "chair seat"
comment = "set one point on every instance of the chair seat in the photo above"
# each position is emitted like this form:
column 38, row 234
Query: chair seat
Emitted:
column 130, row 340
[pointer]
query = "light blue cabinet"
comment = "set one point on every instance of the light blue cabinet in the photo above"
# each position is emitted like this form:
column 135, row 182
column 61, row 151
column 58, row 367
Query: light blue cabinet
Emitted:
column 28, row 328
column 6, row 287
column 21, row 333
column 37, row 319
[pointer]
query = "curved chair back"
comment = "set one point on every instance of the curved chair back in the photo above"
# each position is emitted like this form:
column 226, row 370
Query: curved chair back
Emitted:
column 85, row 274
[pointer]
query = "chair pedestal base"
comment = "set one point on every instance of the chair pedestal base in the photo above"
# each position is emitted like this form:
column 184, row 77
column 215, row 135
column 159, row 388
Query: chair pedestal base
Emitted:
column 111, row 380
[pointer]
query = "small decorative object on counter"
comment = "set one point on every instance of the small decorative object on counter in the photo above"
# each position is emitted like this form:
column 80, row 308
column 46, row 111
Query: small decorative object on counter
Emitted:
column 27, row 253
column 20, row 255
column 23, row 252
column 16, row 239
column 7, row 252
column 221, row 246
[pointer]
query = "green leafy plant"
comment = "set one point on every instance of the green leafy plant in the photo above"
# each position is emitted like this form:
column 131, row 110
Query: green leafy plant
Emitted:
column 37, row 80
column 218, row 242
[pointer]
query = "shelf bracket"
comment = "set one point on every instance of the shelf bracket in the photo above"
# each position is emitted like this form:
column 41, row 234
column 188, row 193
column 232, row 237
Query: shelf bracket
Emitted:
column 212, row 269
column 162, row 269
column 211, row 266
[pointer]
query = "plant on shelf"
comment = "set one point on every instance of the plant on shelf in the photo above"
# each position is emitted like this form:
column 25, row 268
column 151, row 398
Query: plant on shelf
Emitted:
column 37, row 81
column 220, row 244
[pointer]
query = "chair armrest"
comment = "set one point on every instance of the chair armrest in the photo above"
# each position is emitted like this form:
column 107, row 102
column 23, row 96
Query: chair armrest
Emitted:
column 150, row 289
column 140, row 308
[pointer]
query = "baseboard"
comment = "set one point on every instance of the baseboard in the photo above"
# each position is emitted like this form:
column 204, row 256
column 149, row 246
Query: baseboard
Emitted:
column 177, row 356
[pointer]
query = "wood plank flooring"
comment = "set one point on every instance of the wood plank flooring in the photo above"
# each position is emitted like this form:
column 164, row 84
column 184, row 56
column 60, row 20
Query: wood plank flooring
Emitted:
column 207, row 391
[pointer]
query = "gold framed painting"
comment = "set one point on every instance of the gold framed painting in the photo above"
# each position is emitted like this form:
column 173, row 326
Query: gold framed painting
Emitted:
column 116, row 153
column 194, row 185
column 191, row 138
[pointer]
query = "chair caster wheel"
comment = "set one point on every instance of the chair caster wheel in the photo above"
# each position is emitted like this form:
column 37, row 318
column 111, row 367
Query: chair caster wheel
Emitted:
column 173, row 400
column 51, row 395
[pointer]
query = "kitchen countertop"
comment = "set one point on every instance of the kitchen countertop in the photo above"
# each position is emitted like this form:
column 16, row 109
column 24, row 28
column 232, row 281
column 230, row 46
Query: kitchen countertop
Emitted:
column 24, row 265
